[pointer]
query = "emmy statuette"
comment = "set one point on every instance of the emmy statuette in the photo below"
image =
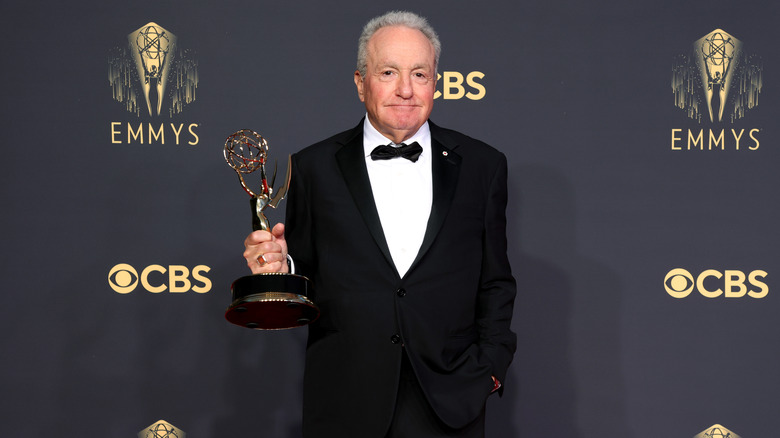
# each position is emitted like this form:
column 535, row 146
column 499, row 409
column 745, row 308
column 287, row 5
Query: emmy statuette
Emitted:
column 268, row 301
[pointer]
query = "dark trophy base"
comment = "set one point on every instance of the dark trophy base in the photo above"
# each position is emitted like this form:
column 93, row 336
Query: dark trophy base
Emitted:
column 273, row 301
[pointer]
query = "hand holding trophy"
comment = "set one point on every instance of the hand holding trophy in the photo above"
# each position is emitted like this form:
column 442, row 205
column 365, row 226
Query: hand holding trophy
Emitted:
column 268, row 301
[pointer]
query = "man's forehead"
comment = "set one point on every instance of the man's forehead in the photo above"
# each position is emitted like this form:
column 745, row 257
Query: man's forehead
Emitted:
column 391, row 61
column 384, row 50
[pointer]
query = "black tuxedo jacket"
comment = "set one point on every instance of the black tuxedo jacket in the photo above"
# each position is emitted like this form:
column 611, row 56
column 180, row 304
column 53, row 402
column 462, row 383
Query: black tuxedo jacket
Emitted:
column 451, row 311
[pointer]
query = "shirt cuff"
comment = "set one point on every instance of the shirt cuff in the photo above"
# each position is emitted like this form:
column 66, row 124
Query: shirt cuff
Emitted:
column 290, row 264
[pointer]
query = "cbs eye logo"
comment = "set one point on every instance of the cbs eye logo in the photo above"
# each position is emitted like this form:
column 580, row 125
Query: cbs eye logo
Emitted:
column 124, row 279
column 679, row 283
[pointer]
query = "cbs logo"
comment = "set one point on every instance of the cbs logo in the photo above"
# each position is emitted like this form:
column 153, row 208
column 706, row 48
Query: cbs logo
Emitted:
column 124, row 279
column 452, row 87
column 679, row 283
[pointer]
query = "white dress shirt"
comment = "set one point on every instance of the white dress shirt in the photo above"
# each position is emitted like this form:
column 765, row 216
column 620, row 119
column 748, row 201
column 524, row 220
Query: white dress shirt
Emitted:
column 403, row 193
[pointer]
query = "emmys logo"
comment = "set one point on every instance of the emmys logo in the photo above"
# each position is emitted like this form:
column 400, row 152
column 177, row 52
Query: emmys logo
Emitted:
column 716, row 81
column 717, row 431
column 124, row 279
column 450, row 85
column 149, row 64
column 711, row 283
column 161, row 429
column 715, row 75
column 151, row 75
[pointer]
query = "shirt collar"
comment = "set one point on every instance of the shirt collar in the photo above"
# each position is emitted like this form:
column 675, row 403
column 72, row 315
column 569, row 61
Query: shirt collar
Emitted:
column 373, row 138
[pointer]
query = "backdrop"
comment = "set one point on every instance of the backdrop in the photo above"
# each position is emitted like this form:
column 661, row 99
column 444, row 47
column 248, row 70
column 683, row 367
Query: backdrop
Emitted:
column 642, row 219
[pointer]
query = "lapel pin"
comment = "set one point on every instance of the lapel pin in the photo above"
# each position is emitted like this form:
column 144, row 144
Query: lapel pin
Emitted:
column 444, row 153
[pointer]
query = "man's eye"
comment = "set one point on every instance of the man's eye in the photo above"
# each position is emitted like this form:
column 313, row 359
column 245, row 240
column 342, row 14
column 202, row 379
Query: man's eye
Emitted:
column 420, row 78
column 386, row 75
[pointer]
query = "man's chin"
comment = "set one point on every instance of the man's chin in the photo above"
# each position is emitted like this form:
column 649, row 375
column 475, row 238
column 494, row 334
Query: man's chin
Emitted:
column 409, row 122
column 410, row 128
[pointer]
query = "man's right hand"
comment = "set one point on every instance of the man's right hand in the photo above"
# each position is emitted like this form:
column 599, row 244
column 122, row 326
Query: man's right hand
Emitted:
column 266, row 251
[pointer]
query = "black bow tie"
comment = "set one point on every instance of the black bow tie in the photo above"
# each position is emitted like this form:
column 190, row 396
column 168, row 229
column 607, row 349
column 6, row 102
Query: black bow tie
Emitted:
column 386, row 152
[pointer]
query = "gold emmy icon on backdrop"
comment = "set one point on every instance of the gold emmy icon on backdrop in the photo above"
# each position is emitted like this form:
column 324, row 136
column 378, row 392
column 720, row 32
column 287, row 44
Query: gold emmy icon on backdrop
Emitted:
column 269, row 301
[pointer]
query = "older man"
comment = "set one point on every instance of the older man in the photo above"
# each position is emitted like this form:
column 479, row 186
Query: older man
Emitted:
column 400, row 224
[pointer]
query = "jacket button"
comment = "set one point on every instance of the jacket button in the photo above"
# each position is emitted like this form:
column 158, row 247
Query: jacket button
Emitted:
column 401, row 292
column 395, row 339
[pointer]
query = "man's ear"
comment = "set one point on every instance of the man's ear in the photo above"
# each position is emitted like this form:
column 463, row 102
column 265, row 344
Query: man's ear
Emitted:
column 359, row 85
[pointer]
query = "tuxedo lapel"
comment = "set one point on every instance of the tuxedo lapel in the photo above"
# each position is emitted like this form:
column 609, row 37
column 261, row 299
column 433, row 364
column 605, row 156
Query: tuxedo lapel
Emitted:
column 445, row 168
column 352, row 164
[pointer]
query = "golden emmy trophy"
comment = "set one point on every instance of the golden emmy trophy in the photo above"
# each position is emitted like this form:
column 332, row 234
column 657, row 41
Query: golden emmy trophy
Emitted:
column 268, row 301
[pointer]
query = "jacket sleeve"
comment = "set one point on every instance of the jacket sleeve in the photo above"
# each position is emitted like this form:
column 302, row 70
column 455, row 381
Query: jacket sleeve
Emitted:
column 497, row 287
column 298, row 222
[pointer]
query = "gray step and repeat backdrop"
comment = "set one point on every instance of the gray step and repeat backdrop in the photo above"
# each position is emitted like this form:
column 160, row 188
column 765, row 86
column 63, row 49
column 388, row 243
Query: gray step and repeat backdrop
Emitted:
column 643, row 216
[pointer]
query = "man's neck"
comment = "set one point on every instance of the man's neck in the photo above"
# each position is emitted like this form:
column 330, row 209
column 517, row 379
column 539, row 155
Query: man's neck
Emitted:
column 397, row 137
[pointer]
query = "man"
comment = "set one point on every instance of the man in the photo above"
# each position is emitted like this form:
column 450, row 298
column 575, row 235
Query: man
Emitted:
column 407, row 254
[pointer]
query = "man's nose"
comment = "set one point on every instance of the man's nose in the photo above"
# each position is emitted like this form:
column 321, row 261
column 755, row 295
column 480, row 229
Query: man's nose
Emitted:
column 404, row 86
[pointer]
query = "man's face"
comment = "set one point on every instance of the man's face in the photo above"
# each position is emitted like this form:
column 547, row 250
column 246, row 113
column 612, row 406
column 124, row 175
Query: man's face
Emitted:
column 400, row 81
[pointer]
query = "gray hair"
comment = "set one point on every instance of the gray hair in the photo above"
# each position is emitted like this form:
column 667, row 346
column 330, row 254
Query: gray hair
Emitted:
column 395, row 18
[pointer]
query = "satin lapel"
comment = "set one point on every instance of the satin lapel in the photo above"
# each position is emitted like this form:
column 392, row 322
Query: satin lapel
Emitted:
column 445, row 168
column 352, row 164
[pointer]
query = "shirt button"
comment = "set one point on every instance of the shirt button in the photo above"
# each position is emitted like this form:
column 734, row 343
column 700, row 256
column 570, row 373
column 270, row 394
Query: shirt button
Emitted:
column 401, row 292
column 395, row 339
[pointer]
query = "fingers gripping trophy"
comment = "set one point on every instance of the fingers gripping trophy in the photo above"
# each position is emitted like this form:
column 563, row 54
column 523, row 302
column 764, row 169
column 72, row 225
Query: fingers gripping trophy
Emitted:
column 267, row 301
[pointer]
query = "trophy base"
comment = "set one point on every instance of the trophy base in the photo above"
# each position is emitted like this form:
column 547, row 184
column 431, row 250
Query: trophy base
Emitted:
column 271, row 302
